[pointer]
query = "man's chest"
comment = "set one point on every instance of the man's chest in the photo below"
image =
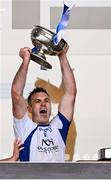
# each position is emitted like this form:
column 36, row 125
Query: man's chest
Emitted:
column 46, row 140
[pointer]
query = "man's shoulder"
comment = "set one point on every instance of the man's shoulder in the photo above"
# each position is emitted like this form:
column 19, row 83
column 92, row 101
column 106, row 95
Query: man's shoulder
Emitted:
column 56, row 121
column 26, row 119
column 59, row 120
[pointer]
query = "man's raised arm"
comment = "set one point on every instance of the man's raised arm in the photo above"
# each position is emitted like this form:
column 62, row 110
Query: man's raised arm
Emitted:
column 18, row 102
column 66, row 106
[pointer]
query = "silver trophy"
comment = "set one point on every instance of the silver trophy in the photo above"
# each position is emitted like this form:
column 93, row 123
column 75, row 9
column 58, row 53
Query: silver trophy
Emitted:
column 42, row 39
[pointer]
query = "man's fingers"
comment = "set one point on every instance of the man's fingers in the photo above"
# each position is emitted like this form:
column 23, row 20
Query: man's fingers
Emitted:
column 27, row 48
column 18, row 142
column 21, row 148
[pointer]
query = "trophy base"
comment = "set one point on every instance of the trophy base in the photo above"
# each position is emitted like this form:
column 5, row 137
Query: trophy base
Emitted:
column 38, row 59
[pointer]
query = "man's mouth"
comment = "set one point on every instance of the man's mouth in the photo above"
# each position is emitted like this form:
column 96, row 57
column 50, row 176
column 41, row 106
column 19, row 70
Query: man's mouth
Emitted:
column 43, row 112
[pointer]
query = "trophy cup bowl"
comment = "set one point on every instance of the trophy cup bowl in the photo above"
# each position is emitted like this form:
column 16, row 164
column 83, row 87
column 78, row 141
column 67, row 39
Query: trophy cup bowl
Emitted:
column 42, row 39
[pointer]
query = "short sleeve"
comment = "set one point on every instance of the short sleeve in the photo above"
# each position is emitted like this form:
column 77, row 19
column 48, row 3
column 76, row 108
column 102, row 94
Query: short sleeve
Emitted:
column 62, row 123
column 22, row 127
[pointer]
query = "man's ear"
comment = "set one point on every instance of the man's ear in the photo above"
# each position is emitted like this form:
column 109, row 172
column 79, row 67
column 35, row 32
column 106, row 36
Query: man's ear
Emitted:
column 29, row 109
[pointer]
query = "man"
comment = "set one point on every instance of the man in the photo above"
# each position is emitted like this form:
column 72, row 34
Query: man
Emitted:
column 43, row 140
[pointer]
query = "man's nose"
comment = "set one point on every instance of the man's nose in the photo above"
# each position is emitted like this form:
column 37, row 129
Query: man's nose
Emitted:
column 43, row 103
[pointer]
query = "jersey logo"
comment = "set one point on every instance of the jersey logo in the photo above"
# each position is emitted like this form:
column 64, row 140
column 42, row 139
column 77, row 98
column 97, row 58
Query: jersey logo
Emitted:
column 47, row 142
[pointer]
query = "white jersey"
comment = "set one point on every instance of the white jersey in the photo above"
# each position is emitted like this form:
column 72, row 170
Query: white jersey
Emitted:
column 42, row 143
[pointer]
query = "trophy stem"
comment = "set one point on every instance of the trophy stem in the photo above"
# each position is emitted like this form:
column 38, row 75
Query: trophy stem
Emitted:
column 40, row 59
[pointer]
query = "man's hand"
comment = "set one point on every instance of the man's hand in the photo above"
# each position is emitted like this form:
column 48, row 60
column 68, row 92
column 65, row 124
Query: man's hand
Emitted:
column 16, row 150
column 64, row 52
column 24, row 53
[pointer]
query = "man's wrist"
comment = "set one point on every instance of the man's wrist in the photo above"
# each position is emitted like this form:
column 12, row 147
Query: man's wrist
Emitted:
column 62, row 56
column 26, row 62
column 13, row 158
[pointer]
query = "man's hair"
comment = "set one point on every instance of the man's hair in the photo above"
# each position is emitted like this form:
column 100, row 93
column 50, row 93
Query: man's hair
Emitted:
column 36, row 90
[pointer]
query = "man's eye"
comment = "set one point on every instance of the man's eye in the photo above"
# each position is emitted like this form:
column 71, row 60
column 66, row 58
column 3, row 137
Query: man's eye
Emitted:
column 37, row 101
column 47, row 100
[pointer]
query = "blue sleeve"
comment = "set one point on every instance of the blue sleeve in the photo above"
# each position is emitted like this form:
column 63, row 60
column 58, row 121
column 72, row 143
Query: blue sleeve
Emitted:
column 65, row 128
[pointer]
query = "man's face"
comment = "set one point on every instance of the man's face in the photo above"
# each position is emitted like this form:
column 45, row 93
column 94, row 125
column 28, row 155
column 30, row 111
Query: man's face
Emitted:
column 40, row 107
